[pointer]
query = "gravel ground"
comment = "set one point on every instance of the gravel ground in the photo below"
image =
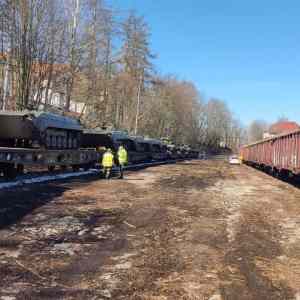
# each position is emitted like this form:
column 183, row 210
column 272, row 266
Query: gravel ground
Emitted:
column 194, row 230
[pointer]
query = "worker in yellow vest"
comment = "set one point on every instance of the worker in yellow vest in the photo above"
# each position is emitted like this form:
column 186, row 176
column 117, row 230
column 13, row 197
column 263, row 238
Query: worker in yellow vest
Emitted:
column 107, row 162
column 122, row 159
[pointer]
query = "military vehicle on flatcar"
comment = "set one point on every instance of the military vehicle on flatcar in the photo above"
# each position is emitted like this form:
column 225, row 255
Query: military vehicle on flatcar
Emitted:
column 33, row 129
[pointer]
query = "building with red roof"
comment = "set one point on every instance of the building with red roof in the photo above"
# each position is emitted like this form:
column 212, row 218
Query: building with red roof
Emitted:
column 283, row 127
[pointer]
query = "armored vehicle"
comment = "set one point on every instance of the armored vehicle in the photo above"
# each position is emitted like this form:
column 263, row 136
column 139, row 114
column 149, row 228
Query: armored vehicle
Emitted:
column 33, row 129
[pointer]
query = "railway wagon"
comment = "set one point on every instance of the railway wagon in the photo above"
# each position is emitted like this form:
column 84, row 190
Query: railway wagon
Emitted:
column 37, row 129
column 13, row 160
column 102, row 139
column 279, row 154
column 136, row 153
column 158, row 149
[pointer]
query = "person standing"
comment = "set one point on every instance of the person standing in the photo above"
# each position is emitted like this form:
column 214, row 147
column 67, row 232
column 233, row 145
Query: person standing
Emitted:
column 122, row 159
column 107, row 162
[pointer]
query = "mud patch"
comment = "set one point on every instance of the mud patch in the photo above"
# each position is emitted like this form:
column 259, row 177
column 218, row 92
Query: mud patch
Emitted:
column 184, row 182
column 158, row 259
column 57, row 293
column 255, row 240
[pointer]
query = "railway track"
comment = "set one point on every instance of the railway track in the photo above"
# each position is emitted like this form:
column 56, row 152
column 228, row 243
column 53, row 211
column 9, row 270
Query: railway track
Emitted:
column 288, row 177
column 44, row 176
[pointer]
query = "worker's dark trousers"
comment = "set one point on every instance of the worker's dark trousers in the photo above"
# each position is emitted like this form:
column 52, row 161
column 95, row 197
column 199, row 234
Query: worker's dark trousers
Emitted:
column 107, row 172
column 121, row 171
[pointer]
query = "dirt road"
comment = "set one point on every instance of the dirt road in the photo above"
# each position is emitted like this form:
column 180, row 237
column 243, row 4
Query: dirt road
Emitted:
column 194, row 230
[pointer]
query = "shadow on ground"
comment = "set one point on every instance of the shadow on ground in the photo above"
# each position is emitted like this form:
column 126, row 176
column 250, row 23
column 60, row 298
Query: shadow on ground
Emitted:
column 18, row 202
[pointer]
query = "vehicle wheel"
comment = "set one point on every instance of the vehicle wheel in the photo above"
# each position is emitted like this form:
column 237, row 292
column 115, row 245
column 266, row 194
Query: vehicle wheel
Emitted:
column 20, row 169
column 65, row 142
column 86, row 167
column 59, row 142
column 275, row 173
column 76, row 168
column 51, row 168
column 53, row 142
column 284, row 175
column 10, row 172
column 48, row 141
column 75, row 143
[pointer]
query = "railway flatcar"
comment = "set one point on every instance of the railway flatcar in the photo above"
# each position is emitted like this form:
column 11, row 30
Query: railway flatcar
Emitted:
column 173, row 151
column 102, row 139
column 33, row 129
column 186, row 151
column 96, row 139
column 140, row 149
column 192, row 153
column 50, row 140
column 158, row 149
column 44, row 139
column 182, row 151
column 136, row 154
column 143, row 146
column 277, row 155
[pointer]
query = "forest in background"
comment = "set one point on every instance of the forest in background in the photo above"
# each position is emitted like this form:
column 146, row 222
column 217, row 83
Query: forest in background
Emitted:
column 94, row 54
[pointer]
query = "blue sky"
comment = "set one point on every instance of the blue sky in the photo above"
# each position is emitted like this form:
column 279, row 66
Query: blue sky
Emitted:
column 244, row 52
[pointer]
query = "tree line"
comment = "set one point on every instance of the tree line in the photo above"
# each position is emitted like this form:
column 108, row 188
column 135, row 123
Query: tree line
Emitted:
column 261, row 129
column 93, row 54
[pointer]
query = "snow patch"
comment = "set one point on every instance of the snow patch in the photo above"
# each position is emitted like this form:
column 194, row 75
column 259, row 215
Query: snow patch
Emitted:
column 46, row 178
column 21, row 182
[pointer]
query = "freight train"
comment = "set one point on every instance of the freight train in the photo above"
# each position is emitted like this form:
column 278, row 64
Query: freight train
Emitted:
column 279, row 155
column 51, row 140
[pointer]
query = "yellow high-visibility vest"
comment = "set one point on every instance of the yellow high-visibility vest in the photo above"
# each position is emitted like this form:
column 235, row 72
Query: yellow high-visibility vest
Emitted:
column 122, row 156
column 107, row 160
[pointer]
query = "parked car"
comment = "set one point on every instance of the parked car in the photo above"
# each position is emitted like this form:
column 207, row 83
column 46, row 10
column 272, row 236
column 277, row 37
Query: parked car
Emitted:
column 234, row 160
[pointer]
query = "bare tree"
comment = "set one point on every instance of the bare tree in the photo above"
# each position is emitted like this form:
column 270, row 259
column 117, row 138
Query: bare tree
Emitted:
column 256, row 130
column 83, row 51
column 136, row 65
column 30, row 34
column 73, row 58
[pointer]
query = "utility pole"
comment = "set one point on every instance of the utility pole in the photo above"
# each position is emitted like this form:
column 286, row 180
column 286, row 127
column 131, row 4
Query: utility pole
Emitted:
column 138, row 105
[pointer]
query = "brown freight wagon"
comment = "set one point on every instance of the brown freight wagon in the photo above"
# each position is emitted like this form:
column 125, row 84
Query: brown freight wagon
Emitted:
column 279, row 154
